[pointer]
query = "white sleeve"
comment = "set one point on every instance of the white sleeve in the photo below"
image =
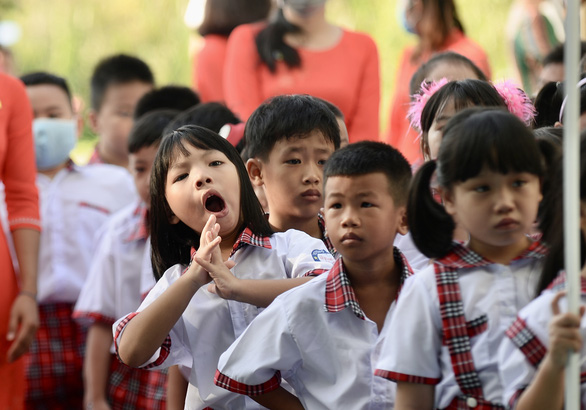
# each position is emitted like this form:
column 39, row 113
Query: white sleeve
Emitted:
column 147, row 277
column 254, row 363
column 412, row 342
column 305, row 255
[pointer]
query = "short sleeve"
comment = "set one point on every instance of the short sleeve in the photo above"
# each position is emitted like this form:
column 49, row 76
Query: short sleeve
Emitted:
column 254, row 363
column 412, row 342
column 305, row 255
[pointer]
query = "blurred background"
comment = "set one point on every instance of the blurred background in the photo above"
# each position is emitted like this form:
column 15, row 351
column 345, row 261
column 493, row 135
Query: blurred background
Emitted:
column 68, row 37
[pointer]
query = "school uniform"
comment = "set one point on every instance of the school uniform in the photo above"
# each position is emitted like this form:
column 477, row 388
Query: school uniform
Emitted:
column 316, row 337
column 112, row 290
column 210, row 324
column 450, row 321
column 525, row 346
column 74, row 206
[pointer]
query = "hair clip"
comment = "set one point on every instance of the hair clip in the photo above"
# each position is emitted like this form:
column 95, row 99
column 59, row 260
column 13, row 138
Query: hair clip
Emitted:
column 518, row 103
column 426, row 90
column 563, row 107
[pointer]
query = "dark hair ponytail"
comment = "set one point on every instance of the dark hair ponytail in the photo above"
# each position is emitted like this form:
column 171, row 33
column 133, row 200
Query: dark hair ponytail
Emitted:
column 271, row 46
column 432, row 228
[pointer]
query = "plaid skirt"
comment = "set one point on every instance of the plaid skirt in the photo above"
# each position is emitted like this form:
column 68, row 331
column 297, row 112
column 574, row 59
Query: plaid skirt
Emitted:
column 55, row 361
column 130, row 388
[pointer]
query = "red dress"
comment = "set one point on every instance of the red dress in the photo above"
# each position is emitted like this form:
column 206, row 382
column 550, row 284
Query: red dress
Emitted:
column 346, row 75
column 400, row 134
column 18, row 173
column 208, row 68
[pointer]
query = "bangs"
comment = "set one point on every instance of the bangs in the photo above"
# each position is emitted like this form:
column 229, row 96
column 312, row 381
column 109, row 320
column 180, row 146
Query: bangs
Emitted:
column 494, row 139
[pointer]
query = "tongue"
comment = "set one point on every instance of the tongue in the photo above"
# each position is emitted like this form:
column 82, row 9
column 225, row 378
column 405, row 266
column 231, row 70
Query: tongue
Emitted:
column 214, row 204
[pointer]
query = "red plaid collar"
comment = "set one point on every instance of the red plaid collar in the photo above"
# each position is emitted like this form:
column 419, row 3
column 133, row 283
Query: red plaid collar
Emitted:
column 461, row 257
column 324, row 234
column 141, row 230
column 560, row 283
column 95, row 158
column 339, row 292
column 247, row 237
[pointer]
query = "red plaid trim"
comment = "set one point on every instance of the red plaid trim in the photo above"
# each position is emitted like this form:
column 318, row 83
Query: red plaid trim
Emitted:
column 94, row 317
column 96, row 207
column 55, row 360
column 165, row 347
column 474, row 327
column 130, row 388
column 141, row 230
column 455, row 331
column 315, row 272
column 95, row 158
column 401, row 377
column 514, row 398
column 526, row 341
column 469, row 402
column 324, row 234
column 227, row 383
column 560, row 283
column 339, row 292
column 247, row 237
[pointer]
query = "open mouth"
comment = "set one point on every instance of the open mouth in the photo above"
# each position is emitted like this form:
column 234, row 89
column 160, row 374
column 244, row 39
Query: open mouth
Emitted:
column 215, row 204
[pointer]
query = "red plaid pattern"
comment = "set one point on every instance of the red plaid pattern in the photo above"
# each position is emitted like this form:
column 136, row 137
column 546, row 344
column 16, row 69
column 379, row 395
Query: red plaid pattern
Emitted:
column 559, row 283
column 130, row 388
column 469, row 402
column 141, row 231
column 96, row 207
column 165, row 347
column 247, row 237
column 324, row 234
column 339, row 292
column 400, row 377
column 526, row 341
column 315, row 272
column 55, row 360
column 227, row 383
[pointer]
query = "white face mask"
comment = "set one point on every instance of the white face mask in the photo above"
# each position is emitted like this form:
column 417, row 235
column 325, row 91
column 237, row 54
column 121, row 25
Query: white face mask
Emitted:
column 304, row 7
column 54, row 140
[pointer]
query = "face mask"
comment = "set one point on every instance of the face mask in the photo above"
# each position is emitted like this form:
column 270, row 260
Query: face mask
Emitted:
column 304, row 7
column 402, row 7
column 54, row 140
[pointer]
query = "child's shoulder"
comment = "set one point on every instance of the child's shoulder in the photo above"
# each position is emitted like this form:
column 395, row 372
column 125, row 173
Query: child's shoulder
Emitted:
column 124, row 220
column 105, row 174
column 292, row 241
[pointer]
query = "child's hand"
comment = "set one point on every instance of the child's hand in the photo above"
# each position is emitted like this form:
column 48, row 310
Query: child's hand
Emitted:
column 209, row 240
column 225, row 284
column 564, row 334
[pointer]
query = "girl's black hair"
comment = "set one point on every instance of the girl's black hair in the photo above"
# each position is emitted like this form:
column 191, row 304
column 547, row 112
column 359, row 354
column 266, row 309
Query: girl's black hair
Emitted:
column 223, row 16
column 464, row 94
column 552, row 221
column 271, row 46
column 549, row 100
column 473, row 138
column 171, row 243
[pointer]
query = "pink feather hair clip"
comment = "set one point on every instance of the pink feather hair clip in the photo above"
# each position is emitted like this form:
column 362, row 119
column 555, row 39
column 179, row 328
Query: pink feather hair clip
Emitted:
column 518, row 103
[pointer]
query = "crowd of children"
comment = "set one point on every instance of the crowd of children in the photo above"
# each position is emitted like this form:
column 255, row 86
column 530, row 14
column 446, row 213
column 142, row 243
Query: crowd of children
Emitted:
column 203, row 262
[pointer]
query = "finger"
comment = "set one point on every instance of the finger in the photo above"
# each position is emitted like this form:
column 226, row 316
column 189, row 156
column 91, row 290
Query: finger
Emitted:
column 208, row 266
column 229, row 263
column 555, row 307
column 208, row 227
column 566, row 320
column 212, row 288
column 582, row 310
column 20, row 344
column 12, row 326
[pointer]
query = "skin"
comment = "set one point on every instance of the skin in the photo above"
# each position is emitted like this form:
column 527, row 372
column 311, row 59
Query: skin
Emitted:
column 316, row 33
column 451, row 71
column 140, row 164
column 113, row 120
column 292, row 179
column 551, row 72
column 344, row 139
column 435, row 134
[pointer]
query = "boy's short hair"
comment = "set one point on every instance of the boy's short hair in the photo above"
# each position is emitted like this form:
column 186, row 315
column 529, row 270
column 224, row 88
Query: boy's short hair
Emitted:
column 333, row 108
column 367, row 157
column 286, row 117
column 118, row 69
column 171, row 97
column 556, row 55
column 42, row 78
column 148, row 129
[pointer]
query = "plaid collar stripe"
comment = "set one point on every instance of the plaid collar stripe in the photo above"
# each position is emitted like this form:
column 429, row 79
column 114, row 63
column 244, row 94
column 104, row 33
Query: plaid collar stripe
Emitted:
column 141, row 229
column 247, row 237
column 560, row 283
column 526, row 341
column 339, row 292
column 324, row 233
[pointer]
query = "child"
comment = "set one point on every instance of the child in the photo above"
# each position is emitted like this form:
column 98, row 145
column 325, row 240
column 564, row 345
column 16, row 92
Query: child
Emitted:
column 489, row 169
column 288, row 139
column 366, row 186
column 341, row 120
column 75, row 202
column 118, row 82
column 533, row 356
column 198, row 178
column 169, row 97
column 113, row 285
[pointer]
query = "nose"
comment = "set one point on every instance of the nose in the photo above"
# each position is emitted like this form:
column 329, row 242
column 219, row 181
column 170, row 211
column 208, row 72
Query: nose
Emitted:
column 312, row 174
column 201, row 180
column 349, row 219
column 505, row 201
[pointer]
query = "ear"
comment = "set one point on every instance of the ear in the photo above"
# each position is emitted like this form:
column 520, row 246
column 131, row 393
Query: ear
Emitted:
column 558, row 124
column 448, row 200
column 254, row 168
column 93, row 118
column 402, row 226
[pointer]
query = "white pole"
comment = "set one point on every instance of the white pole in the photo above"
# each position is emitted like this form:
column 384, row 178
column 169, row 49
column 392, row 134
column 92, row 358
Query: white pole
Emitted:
column 572, row 188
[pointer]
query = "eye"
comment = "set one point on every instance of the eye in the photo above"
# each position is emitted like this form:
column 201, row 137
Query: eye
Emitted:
column 336, row 205
column 366, row 205
column 293, row 161
column 180, row 177
column 216, row 163
column 139, row 170
column 124, row 113
column 321, row 162
column 519, row 183
column 481, row 188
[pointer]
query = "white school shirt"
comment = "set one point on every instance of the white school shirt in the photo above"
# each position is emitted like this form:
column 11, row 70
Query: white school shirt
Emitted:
column 317, row 337
column 210, row 324
column 147, row 277
column 74, row 206
column 413, row 350
column 416, row 259
column 112, row 288
column 527, row 340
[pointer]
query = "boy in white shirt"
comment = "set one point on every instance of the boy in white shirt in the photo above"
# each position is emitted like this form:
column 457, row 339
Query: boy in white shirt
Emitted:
column 75, row 202
column 323, row 336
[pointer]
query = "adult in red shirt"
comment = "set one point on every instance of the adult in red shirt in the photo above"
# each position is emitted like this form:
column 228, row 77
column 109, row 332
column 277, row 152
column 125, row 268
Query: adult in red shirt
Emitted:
column 299, row 52
column 438, row 28
column 18, row 308
column 220, row 18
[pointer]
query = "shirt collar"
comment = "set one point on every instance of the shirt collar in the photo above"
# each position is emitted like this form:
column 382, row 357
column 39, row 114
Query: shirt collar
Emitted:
column 247, row 237
column 559, row 283
column 140, row 231
column 461, row 257
column 339, row 292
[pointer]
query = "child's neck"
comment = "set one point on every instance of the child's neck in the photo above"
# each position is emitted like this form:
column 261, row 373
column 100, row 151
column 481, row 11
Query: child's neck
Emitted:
column 500, row 254
column 111, row 158
column 50, row 173
column 281, row 223
column 228, row 242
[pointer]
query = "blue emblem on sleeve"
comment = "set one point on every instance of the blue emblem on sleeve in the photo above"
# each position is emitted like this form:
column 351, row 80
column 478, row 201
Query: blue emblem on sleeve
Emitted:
column 315, row 254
